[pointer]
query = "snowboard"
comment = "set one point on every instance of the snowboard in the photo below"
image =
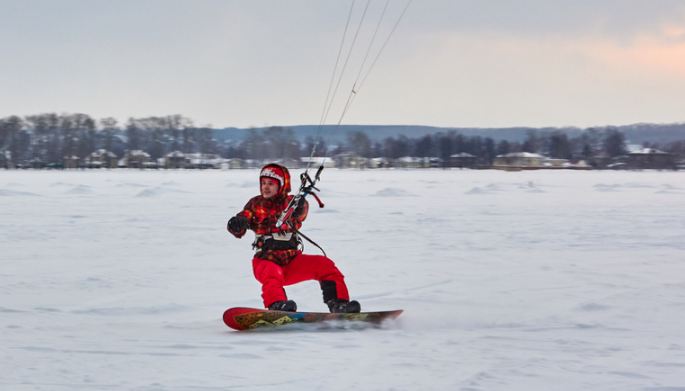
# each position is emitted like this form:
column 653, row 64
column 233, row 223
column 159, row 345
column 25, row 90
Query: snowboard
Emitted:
column 242, row 318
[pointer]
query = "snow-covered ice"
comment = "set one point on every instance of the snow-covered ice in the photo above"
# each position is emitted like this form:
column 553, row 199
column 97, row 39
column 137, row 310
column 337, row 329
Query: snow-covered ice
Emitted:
column 540, row 280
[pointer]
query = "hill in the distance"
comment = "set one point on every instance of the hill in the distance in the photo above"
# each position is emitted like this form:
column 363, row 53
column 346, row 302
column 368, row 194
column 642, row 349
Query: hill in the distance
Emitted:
column 333, row 134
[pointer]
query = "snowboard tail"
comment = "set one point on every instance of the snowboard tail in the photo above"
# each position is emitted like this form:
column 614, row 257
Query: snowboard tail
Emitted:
column 243, row 318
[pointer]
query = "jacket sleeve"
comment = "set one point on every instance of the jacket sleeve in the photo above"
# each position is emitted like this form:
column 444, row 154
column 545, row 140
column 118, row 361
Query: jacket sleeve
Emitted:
column 300, row 213
column 248, row 214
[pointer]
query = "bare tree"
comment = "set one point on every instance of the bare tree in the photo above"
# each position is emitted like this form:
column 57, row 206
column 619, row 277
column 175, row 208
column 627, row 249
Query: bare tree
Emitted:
column 359, row 143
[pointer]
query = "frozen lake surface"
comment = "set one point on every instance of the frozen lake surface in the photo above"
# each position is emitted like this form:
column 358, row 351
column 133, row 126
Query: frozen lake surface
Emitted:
column 535, row 280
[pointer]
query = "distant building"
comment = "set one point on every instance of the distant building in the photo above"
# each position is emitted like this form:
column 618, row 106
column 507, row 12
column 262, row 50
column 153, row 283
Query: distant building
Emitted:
column 234, row 163
column 462, row 160
column 135, row 159
column 565, row 164
column 203, row 160
column 6, row 159
column 37, row 163
column 290, row 163
column 152, row 165
column 409, row 162
column 379, row 162
column 316, row 161
column 556, row 163
column 601, row 160
column 252, row 163
column 650, row 158
column 350, row 160
column 432, row 162
column 101, row 158
column 175, row 159
column 680, row 164
column 71, row 161
column 518, row 161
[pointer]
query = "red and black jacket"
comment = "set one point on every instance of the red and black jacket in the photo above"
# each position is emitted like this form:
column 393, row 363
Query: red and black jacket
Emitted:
column 262, row 214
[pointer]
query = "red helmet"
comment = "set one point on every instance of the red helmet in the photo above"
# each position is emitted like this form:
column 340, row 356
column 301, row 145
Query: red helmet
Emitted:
column 279, row 173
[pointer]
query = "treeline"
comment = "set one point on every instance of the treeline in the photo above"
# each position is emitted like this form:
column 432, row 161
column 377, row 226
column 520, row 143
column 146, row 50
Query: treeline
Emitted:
column 49, row 138
column 607, row 142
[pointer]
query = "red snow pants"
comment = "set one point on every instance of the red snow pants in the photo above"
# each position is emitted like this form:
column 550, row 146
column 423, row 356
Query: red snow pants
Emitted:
column 303, row 267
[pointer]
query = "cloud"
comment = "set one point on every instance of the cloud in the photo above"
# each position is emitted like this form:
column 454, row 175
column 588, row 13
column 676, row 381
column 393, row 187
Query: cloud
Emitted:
column 657, row 56
column 451, row 62
column 620, row 20
column 498, row 79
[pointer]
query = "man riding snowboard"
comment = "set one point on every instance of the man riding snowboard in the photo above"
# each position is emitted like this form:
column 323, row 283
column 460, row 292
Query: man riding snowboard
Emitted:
column 278, row 261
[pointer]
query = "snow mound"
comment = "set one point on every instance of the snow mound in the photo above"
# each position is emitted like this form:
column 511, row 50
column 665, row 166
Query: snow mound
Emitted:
column 492, row 188
column 62, row 184
column 158, row 191
column 132, row 310
column 80, row 189
column 324, row 210
column 7, row 310
column 15, row 193
column 131, row 184
column 615, row 187
column 477, row 191
column 393, row 192
column 606, row 188
column 591, row 307
column 669, row 189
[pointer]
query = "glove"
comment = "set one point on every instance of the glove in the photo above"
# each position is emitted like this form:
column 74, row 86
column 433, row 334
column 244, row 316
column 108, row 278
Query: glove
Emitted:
column 300, row 212
column 237, row 224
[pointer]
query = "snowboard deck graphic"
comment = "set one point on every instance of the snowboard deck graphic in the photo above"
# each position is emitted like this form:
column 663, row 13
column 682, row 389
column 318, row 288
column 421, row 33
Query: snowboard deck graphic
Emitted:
column 243, row 318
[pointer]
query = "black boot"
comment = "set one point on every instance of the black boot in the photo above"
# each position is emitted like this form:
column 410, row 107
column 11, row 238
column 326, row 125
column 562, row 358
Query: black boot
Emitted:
column 283, row 305
column 339, row 305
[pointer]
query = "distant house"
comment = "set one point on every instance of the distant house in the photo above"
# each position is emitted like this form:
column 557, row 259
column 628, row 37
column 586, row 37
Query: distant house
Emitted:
column 135, row 159
column 409, row 162
column 175, row 159
column 462, row 160
column 71, row 161
column 252, row 163
column 101, row 158
column 316, row 161
column 650, row 158
column 680, row 164
column 350, row 160
column 290, row 163
column 581, row 165
column 203, row 160
column 152, row 165
column 234, row 163
column 556, row 163
column 6, row 159
column 432, row 162
column 518, row 161
column 379, row 162
column 601, row 160
column 565, row 164
column 37, row 163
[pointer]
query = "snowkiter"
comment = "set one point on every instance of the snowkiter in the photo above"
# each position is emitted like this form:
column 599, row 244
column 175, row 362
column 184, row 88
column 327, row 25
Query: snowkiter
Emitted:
column 278, row 260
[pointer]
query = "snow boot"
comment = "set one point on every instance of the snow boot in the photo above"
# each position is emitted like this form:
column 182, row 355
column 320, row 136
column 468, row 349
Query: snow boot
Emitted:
column 339, row 305
column 283, row 305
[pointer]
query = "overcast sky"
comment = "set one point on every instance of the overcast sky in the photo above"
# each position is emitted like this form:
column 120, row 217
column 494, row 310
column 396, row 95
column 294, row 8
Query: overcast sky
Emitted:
column 257, row 63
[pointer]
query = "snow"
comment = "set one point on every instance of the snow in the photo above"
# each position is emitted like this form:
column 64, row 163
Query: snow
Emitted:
column 530, row 280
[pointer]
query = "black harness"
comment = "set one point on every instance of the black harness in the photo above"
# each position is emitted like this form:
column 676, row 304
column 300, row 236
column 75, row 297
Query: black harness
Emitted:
column 285, row 241
column 276, row 241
